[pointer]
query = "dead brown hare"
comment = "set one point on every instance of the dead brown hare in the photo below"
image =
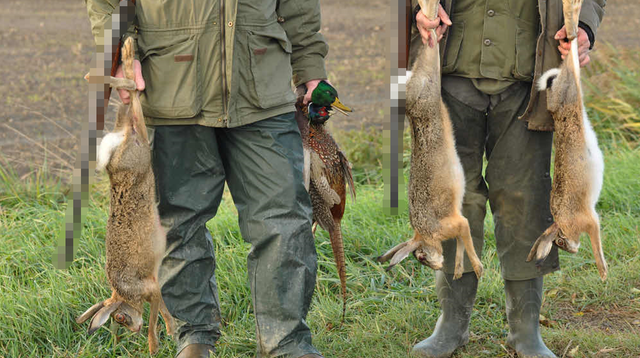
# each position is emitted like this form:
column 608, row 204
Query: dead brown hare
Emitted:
column 579, row 165
column 135, row 241
column 436, row 182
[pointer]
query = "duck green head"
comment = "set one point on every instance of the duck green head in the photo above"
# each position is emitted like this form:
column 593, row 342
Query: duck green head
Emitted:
column 325, row 95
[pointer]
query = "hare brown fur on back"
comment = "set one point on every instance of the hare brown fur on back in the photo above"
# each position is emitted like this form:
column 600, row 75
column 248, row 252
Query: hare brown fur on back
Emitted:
column 579, row 165
column 135, row 241
column 436, row 182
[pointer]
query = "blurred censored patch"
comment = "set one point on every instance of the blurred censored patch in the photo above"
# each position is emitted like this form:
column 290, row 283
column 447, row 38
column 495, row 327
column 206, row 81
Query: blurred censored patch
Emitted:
column 83, row 172
column 399, row 32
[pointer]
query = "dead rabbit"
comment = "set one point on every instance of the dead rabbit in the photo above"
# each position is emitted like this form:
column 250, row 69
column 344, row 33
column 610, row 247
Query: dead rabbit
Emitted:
column 436, row 183
column 135, row 242
column 579, row 165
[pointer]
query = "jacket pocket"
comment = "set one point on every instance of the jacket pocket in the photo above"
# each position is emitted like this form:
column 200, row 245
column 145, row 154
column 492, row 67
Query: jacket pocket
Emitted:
column 270, row 58
column 170, row 70
column 454, row 42
column 526, row 40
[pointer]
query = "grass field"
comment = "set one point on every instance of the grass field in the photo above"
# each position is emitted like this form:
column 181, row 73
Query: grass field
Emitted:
column 387, row 312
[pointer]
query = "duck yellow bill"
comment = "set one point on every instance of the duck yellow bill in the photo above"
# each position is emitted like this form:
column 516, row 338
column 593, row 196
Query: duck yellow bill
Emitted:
column 339, row 105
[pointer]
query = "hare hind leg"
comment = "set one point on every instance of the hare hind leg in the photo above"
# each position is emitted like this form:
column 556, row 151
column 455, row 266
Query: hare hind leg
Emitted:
column 153, row 296
column 465, row 233
column 458, row 226
column 170, row 324
column 593, row 230
column 459, row 265
column 153, row 323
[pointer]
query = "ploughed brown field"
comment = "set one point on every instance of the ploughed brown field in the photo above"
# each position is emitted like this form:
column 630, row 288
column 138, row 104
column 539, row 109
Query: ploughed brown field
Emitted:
column 46, row 47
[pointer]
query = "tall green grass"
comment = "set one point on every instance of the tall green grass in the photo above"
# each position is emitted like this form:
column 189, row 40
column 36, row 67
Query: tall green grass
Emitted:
column 612, row 96
column 387, row 311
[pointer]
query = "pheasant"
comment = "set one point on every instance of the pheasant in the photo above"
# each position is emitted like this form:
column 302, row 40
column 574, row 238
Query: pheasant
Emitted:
column 326, row 174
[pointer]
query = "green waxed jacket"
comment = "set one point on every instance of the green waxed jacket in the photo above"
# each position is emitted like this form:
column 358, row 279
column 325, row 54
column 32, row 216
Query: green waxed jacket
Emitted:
column 221, row 63
column 547, row 55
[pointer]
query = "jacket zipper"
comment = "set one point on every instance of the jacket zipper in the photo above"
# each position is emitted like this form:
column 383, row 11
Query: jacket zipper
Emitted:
column 224, row 61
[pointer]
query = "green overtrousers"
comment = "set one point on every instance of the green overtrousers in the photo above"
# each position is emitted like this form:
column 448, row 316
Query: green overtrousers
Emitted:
column 517, row 182
column 262, row 164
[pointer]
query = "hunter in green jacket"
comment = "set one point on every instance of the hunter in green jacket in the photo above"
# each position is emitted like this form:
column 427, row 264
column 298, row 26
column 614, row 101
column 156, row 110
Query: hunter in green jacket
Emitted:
column 219, row 104
column 493, row 50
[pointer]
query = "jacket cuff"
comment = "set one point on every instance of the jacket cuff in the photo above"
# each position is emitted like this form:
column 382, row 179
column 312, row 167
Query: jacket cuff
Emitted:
column 590, row 34
column 590, row 17
column 309, row 68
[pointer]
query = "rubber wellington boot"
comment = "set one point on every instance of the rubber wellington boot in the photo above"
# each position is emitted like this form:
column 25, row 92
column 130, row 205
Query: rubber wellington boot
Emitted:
column 523, row 313
column 452, row 329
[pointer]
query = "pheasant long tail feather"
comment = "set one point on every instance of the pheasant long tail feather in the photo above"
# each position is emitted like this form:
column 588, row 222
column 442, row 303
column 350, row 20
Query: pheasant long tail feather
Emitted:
column 337, row 246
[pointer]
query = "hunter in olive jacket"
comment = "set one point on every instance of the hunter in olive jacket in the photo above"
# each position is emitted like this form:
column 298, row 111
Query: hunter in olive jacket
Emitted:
column 547, row 55
column 221, row 63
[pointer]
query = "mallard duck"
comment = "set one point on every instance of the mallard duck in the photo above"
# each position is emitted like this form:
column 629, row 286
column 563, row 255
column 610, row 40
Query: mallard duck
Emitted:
column 324, row 98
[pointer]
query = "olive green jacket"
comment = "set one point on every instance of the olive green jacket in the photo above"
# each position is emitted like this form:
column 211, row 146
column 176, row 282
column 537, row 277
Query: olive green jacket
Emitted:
column 221, row 63
column 547, row 55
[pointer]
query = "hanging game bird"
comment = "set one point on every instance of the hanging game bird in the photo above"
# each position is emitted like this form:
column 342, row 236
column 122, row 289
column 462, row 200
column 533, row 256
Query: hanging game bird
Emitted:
column 326, row 172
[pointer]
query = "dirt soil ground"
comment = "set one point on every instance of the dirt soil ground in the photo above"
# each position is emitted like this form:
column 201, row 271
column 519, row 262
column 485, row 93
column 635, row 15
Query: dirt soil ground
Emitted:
column 46, row 47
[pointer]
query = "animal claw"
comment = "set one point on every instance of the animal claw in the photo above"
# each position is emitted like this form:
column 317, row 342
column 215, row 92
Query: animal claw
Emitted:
column 457, row 275
column 542, row 247
column 479, row 271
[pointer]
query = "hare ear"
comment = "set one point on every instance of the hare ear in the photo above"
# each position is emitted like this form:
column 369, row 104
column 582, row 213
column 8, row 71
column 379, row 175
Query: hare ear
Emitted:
column 102, row 316
column 89, row 313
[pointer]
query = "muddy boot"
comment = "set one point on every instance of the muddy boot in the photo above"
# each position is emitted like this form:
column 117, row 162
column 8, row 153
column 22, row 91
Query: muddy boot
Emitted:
column 523, row 313
column 452, row 329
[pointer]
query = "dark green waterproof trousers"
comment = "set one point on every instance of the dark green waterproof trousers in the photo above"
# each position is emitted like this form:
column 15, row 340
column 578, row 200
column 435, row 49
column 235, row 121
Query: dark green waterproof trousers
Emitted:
column 516, row 182
column 262, row 165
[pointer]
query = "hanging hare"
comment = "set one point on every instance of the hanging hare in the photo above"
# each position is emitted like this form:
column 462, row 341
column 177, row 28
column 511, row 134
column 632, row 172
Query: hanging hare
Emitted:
column 135, row 242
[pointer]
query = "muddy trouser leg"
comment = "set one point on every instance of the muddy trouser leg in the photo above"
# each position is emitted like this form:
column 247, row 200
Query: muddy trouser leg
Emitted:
column 190, row 181
column 518, row 165
column 470, row 130
column 263, row 162
column 517, row 173
column 519, row 188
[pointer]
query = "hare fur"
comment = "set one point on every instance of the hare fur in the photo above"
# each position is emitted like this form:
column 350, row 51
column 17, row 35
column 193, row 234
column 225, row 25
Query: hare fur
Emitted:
column 135, row 241
column 436, row 183
column 579, row 163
